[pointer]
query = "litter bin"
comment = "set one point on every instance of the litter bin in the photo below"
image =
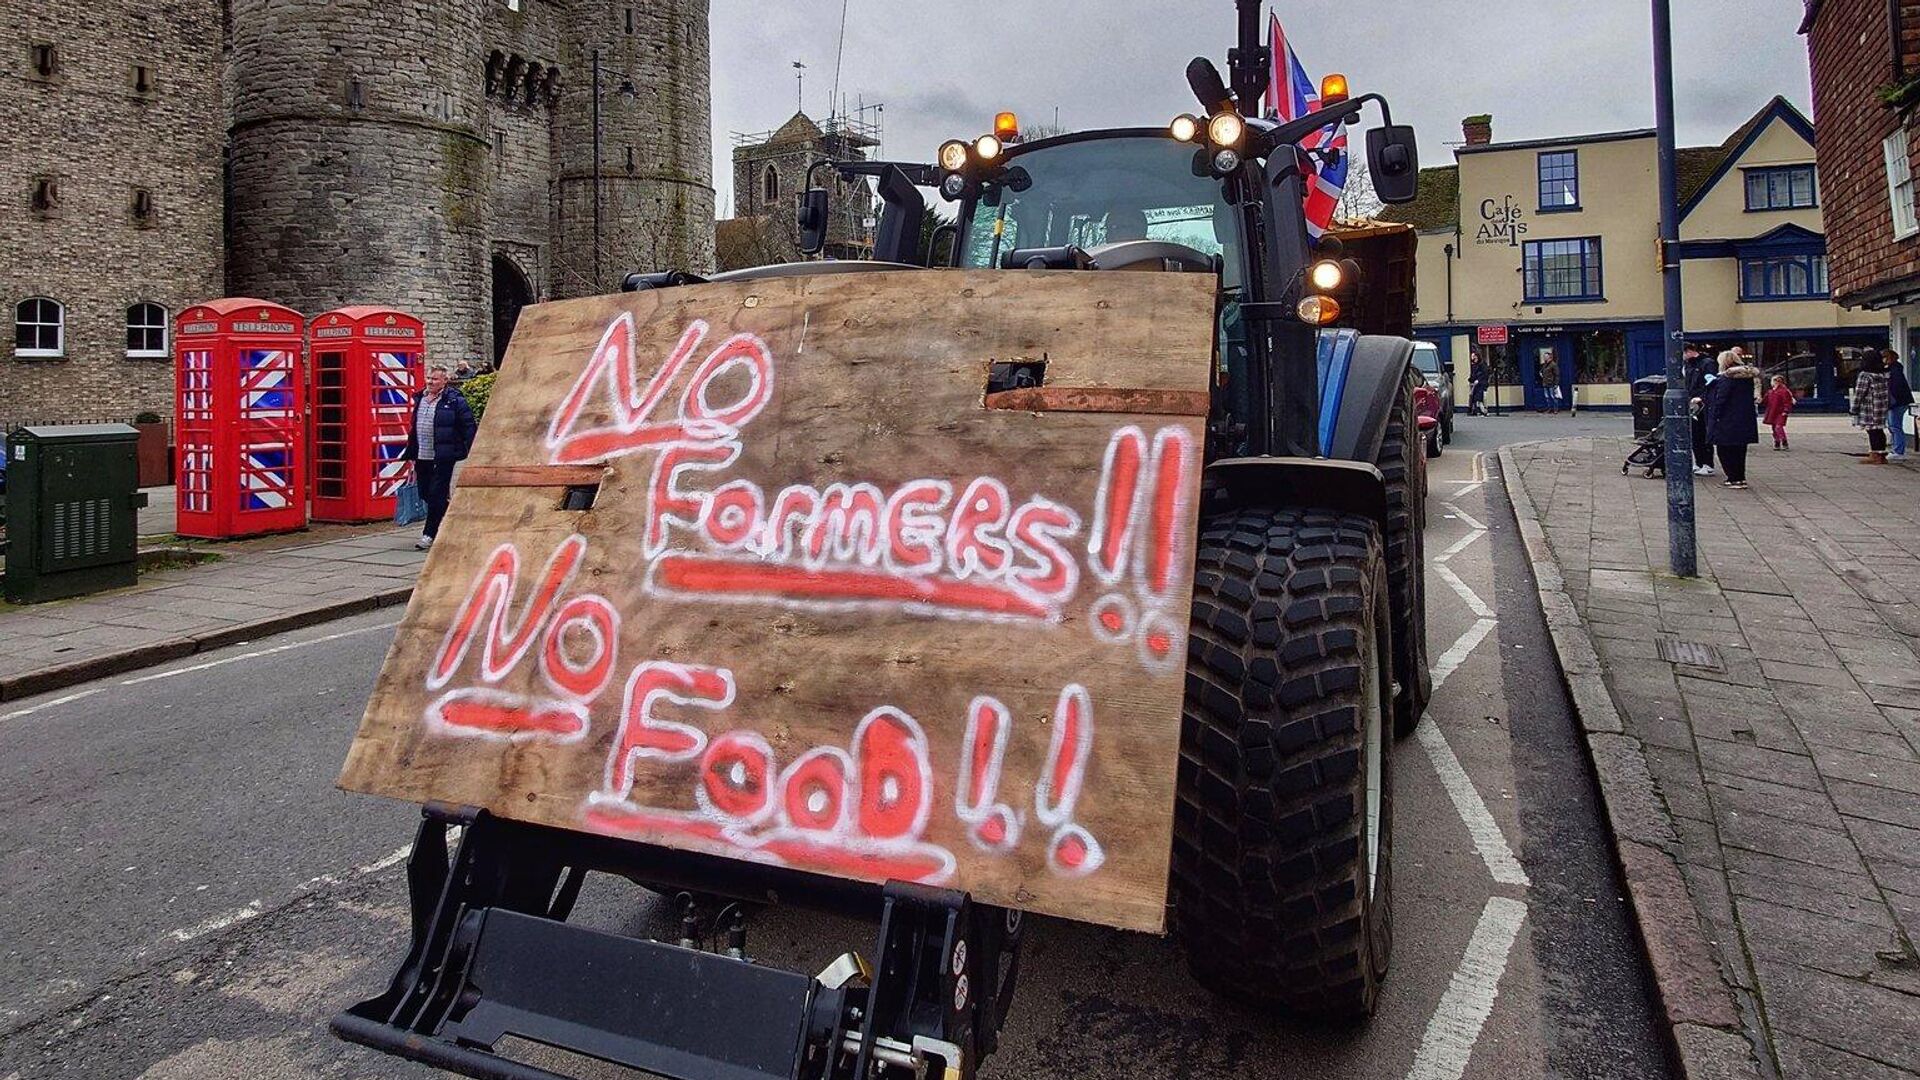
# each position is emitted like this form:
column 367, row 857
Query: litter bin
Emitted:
column 1649, row 393
column 72, row 500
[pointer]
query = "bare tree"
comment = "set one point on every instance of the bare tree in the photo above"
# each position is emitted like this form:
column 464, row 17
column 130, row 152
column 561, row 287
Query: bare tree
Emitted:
column 1358, row 200
column 753, row 241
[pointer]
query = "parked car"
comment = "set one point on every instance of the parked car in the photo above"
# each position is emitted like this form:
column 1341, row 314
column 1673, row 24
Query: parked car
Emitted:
column 1426, row 357
column 1426, row 406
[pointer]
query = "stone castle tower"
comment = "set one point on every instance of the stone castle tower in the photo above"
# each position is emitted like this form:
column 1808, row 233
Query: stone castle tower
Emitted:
column 433, row 154
column 440, row 155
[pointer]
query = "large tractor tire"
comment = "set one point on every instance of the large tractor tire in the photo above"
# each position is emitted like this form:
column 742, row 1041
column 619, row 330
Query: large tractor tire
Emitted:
column 1403, row 466
column 1283, row 831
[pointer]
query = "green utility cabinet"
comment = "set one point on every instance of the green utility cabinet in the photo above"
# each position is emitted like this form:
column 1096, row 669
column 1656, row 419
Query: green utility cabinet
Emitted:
column 72, row 496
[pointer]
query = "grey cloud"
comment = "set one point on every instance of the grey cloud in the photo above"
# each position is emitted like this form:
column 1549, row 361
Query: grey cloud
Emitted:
column 1542, row 67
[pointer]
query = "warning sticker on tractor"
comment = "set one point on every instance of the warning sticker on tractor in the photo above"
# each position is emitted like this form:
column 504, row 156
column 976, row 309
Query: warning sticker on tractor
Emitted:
column 760, row 569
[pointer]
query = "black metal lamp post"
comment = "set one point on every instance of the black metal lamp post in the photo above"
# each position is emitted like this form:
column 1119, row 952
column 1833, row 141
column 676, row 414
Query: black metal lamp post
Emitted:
column 1681, row 554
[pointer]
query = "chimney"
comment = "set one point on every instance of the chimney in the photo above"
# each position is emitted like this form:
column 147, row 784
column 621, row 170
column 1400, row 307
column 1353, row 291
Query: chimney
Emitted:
column 1478, row 129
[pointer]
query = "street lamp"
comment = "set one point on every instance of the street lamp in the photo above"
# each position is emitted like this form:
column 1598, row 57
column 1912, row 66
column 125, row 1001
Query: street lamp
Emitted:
column 1681, row 553
column 628, row 91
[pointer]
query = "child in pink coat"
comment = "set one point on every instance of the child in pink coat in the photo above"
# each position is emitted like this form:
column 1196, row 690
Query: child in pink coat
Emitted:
column 1779, row 402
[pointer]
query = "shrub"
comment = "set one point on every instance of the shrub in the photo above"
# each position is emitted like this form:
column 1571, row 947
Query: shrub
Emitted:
column 478, row 389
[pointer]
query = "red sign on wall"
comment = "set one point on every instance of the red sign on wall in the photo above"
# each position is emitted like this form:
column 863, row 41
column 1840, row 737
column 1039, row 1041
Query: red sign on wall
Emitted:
column 1490, row 335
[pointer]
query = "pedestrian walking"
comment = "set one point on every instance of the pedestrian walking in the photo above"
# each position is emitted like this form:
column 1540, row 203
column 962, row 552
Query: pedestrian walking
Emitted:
column 1779, row 404
column 1732, row 422
column 1899, row 401
column 463, row 372
column 439, row 437
column 1699, row 373
column 1869, row 408
column 1549, row 375
column 1477, row 387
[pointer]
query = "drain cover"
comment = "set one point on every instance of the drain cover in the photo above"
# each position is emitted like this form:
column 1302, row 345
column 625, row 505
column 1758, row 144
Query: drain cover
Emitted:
column 1690, row 653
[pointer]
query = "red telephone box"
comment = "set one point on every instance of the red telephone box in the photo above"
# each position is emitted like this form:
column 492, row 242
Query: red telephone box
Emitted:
column 239, row 419
column 367, row 364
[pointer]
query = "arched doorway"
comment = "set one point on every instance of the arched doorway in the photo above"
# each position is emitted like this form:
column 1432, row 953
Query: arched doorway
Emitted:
column 510, row 293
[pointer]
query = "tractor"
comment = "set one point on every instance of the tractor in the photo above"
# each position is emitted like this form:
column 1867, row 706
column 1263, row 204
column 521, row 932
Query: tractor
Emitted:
column 1305, row 650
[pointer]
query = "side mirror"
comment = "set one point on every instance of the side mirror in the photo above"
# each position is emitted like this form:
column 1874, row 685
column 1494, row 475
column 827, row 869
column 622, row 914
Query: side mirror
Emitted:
column 812, row 219
column 1393, row 163
column 941, row 245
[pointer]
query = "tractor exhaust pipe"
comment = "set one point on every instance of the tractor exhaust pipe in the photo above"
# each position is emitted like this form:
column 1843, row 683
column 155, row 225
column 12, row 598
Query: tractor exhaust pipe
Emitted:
column 1250, row 61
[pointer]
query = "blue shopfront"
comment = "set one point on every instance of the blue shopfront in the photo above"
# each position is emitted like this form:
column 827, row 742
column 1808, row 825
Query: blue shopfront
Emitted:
column 1601, row 359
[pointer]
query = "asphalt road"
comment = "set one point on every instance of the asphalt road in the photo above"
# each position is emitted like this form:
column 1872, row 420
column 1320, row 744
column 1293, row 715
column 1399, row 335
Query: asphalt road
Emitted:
column 187, row 895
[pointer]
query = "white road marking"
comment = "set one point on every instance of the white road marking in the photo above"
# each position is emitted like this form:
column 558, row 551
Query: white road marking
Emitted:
column 255, row 908
column 1466, row 517
column 1447, row 1046
column 392, row 858
column 31, row 709
column 1450, row 661
column 256, row 654
column 1486, row 834
column 1468, row 596
column 219, row 922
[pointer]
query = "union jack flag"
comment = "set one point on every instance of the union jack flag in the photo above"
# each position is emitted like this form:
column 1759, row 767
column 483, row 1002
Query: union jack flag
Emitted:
column 1291, row 94
column 393, row 385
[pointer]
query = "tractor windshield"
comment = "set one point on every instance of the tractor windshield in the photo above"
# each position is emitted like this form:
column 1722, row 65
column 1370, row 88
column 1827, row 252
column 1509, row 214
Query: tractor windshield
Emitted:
column 1097, row 191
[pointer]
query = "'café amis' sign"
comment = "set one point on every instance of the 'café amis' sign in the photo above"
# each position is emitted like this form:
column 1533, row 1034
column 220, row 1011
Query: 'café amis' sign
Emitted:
column 1500, row 223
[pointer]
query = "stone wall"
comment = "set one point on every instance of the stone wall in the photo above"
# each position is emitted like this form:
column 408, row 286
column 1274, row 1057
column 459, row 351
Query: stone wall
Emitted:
column 523, row 86
column 326, row 152
column 360, row 174
column 90, row 129
column 656, row 184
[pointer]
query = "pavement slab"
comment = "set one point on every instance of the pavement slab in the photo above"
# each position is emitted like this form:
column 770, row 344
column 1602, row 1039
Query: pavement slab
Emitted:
column 1791, row 772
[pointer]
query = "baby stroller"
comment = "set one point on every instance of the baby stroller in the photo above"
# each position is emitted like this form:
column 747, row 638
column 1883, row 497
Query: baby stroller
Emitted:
column 1649, row 453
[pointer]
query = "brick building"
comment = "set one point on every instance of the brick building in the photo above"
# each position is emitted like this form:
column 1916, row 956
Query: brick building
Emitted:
column 437, row 156
column 1865, row 57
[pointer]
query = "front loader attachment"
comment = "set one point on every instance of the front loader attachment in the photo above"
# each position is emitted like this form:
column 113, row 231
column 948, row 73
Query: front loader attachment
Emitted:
column 492, row 957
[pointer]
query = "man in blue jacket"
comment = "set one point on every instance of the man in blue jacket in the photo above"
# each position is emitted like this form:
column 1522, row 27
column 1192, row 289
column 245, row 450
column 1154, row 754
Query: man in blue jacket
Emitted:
column 1899, row 400
column 439, row 436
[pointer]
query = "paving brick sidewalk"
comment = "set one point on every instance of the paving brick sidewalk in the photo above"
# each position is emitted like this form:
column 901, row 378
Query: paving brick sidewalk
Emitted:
column 1789, row 762
column 252, row 590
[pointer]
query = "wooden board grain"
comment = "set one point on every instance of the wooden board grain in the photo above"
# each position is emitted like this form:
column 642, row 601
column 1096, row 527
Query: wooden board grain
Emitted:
column 827, row 610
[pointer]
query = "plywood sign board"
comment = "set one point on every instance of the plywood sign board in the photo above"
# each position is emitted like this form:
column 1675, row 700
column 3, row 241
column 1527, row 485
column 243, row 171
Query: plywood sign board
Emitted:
column 831, row 608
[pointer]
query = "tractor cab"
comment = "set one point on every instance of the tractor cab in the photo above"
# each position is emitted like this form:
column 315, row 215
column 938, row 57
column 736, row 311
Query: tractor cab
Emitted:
column 1219, row 193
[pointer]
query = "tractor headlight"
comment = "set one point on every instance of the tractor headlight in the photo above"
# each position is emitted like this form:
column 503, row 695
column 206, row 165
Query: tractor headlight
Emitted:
column 986, row 148
column 1326, row 276
column 1226, row 129
column 1225, row 161
column 1318, row 310
column 1185, row 128
column 954, row 186
column 953, row 155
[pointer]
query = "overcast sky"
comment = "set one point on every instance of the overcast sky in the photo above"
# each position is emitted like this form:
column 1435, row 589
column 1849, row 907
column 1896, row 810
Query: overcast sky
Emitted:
column 1543, row 68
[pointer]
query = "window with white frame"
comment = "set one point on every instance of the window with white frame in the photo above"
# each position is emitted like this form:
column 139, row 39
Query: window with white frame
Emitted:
column 39, row 327
column 1781, row 187
column 1900, row 185
column 146, row 331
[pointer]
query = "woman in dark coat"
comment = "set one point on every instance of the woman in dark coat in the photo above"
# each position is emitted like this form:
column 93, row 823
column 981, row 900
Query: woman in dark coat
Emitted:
column 440, row 435
column 1732, row 421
